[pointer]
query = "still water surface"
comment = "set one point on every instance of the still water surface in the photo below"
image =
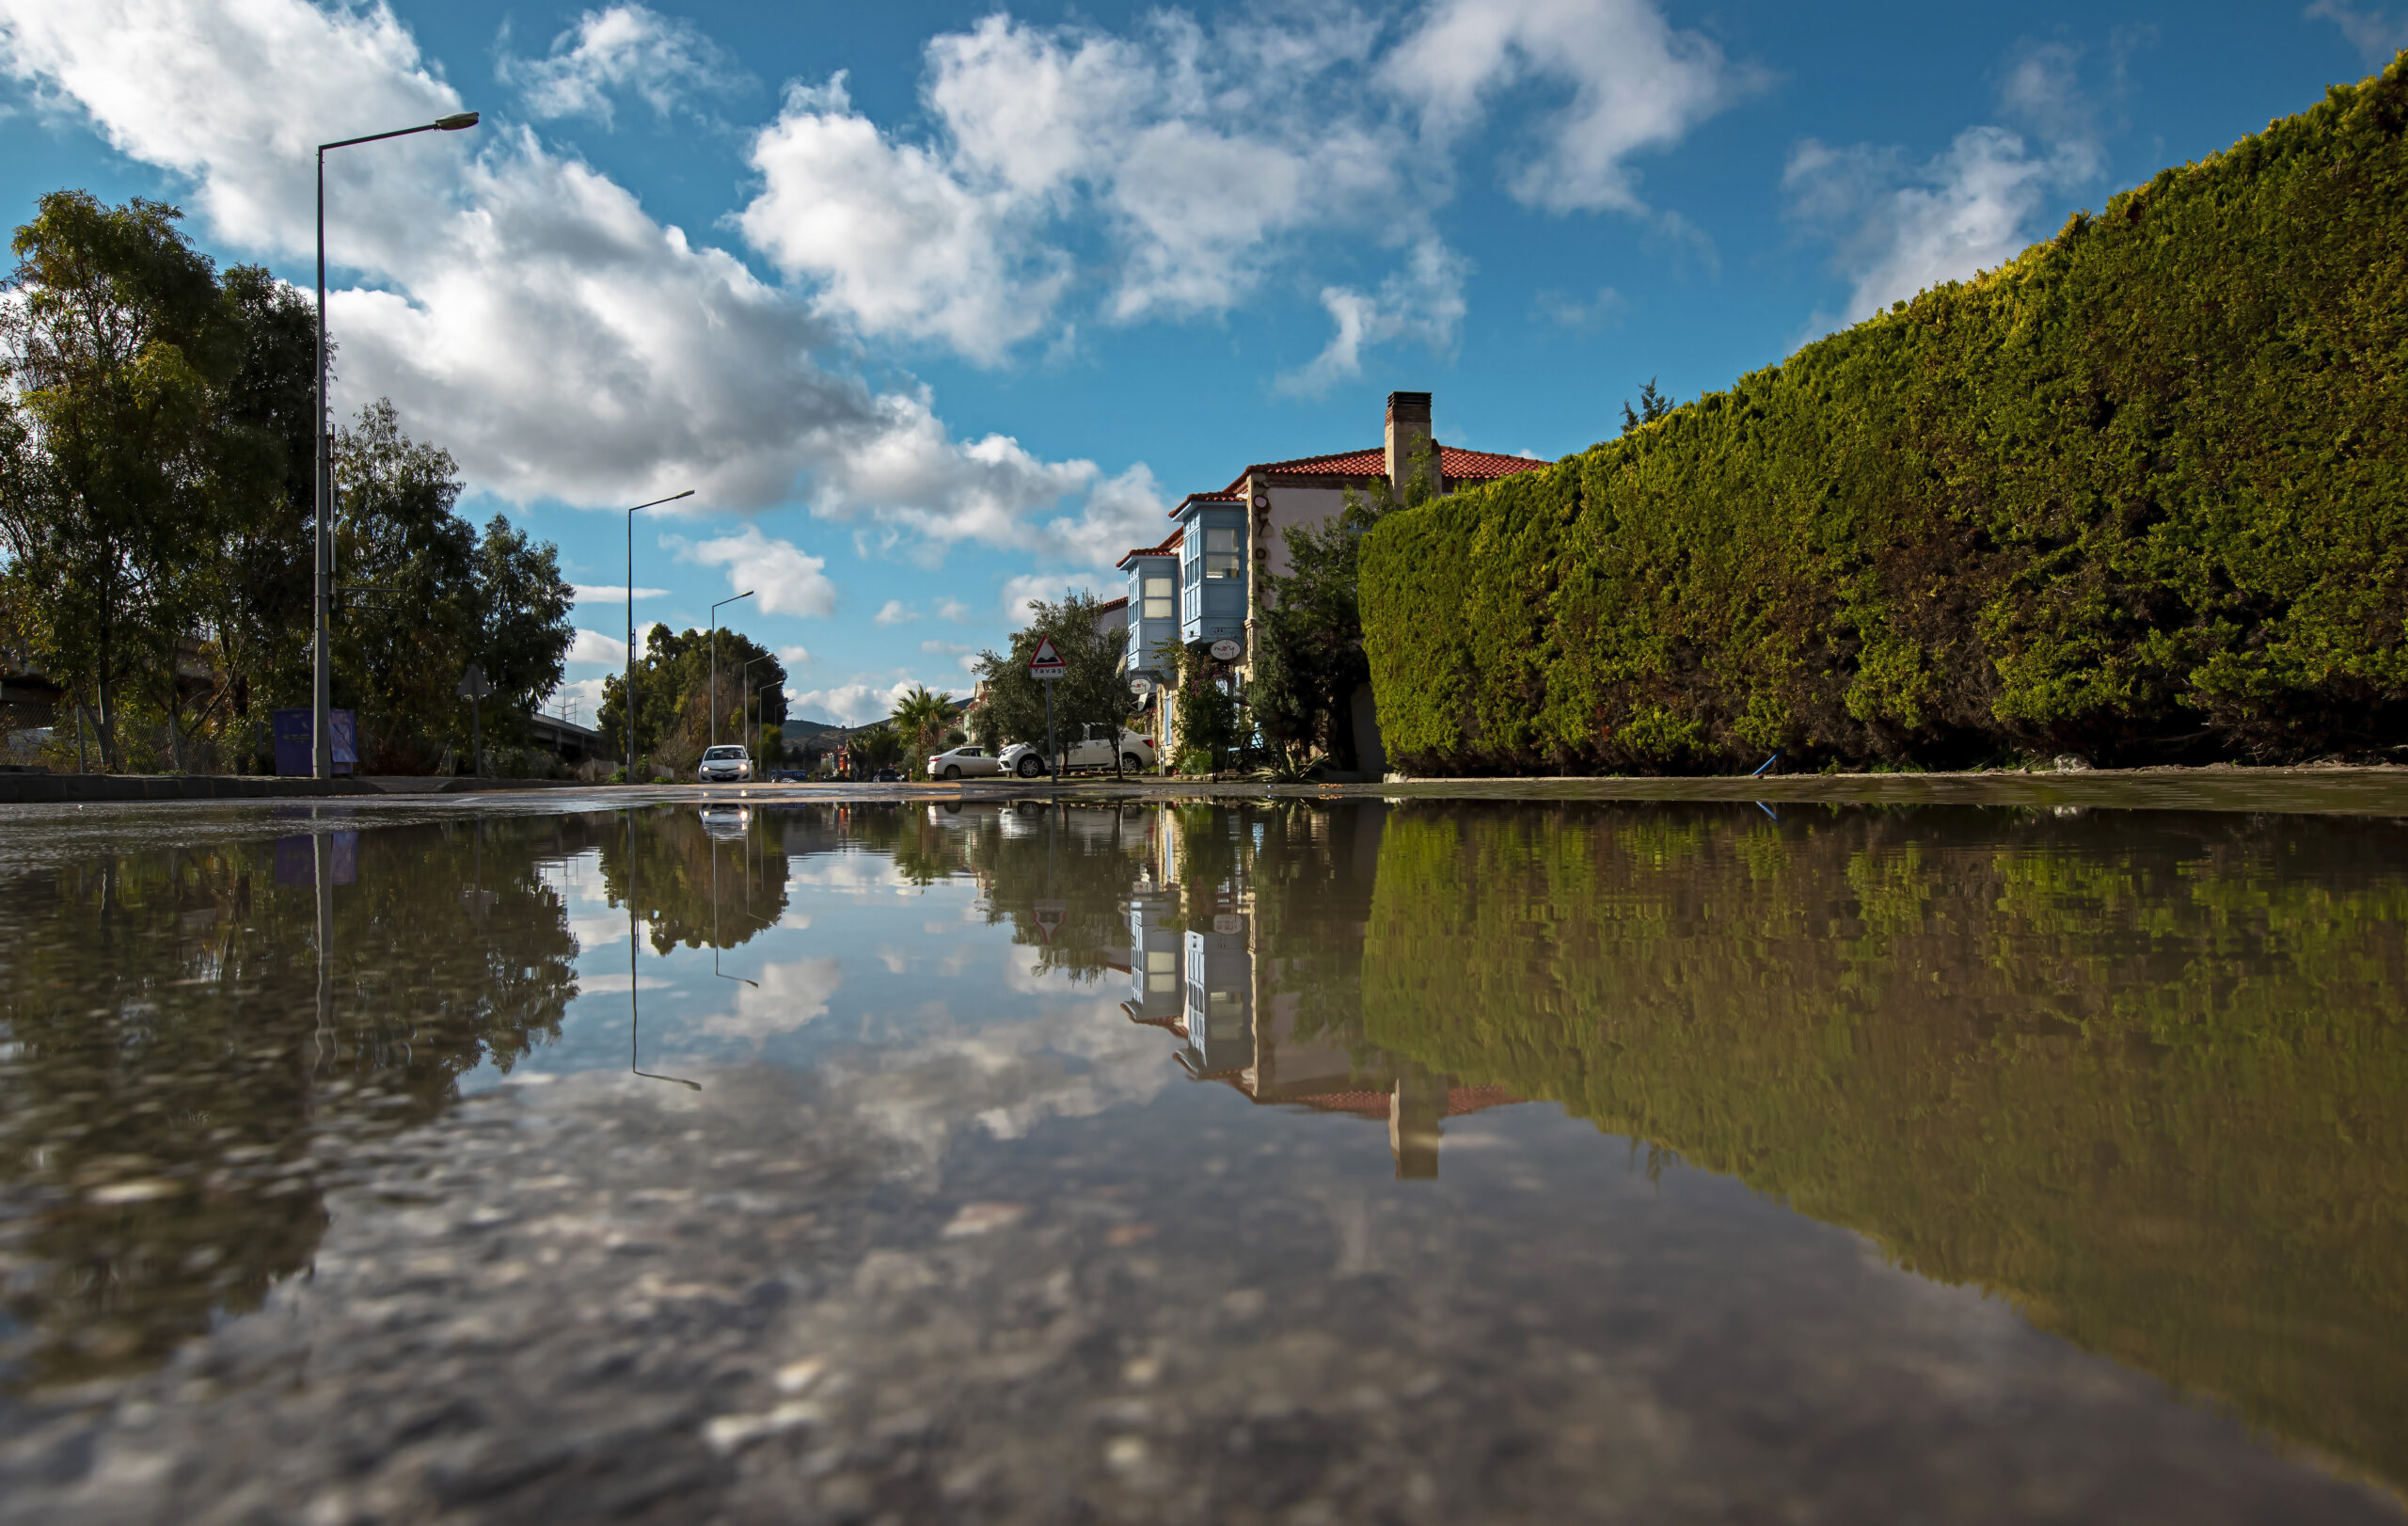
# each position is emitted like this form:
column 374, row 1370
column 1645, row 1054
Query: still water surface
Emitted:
column 1296, row 1162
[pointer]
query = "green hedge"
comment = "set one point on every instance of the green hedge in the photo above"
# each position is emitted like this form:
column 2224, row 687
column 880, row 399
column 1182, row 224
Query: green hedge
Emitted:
column 2139, row 1073
column 2141, row 495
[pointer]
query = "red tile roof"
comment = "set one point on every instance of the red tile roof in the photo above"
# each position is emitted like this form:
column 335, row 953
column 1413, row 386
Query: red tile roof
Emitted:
column 1457, row 464
column 1108, row 607
column 1165, row 548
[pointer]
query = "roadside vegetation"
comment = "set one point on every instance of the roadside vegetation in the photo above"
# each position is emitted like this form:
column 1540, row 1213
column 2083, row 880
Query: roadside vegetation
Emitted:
column 2141, row 496
column 156, row 508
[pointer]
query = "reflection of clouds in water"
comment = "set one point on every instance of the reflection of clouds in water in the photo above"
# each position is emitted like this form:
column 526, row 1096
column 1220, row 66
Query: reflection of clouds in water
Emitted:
column 790, row 994
column 605, row 982
column 597, row 931
column 859, row 874
column 895, row 961
column 1073, row 1061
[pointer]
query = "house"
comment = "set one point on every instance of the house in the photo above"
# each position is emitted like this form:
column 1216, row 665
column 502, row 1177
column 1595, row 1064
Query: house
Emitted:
column 1203, row 584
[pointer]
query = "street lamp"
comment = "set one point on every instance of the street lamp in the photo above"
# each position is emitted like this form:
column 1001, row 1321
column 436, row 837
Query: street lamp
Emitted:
column 744, row 697
column 715, row 608
column 322, row 674
column 629, row 696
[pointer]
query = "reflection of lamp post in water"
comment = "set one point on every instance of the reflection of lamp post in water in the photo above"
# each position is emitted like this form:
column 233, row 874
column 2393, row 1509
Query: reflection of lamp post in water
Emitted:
column 635, row 1015
column 321, row 870
column 715, row 969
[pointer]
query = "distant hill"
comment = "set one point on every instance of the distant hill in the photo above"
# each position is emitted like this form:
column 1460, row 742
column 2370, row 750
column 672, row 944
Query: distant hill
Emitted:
column 810, row 731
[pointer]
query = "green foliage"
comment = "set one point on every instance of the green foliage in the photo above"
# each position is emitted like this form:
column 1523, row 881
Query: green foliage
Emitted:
column 1091, row 691
column 2142, row 495
column 1207, row 726
column 920, row 718
column 674, row 694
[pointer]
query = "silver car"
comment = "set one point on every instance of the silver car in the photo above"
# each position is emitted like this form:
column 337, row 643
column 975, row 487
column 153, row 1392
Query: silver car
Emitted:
column 724, row 766
column 972, row 762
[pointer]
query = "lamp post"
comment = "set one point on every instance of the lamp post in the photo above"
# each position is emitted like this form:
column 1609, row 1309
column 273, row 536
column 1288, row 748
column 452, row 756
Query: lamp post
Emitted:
column 744, row 697
column 715, row 608
column 629, row 696
column 322, row 748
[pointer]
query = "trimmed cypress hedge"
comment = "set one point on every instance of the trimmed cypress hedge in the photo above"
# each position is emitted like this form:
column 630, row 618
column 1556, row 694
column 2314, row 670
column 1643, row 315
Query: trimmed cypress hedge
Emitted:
column 2139, row 495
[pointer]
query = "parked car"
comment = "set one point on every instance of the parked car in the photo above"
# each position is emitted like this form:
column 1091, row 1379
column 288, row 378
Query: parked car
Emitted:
column 963, row 763
column 789, row 776
column 1093, row 749
column 724, row 766
column 888, row 776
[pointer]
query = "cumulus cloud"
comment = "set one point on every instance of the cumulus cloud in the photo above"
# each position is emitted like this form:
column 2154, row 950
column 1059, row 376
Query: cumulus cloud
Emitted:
column 518, row 306
column 611, row 592
column 793, row 657
column 850, row 705
column 1197, row 160
column 2375, row 35
column 893, row 613
column 1022, row 593
column 1900, row 226
column 594, row 646
column 621, row 49
column 1636, row 83
column 1424, row 300
column 954, row 610
column 784, row 579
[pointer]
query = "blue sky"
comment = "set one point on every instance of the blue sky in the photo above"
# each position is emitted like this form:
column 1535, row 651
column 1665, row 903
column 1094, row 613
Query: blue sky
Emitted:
column 935, row 306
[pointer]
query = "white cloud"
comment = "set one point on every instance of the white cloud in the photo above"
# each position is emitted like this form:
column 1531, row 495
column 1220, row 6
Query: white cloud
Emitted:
column 520, row 307
column 594, row 646
column 579, row 698
column 850, row 705
column 2377, row 36
column 793, row 657
column 1196, row 161
column 1424, row 301
column 893, row 613
column 791, row 993
column 623, row 47
column 1636, row 84
column 612, row 593
column 1022, row 592
column 1577, row 314
column 784, row 579
column 953, row 609
column 1900, row 228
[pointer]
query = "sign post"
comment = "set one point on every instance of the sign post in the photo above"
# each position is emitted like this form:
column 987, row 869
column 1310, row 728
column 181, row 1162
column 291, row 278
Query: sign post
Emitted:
column 1048, row 664
column 473, row 689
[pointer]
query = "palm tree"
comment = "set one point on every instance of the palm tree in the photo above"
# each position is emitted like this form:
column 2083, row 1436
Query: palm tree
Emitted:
column 922, row 715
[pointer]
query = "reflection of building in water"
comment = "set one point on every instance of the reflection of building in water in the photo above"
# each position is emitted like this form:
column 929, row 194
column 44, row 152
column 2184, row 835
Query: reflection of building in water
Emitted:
column 1252, row 1020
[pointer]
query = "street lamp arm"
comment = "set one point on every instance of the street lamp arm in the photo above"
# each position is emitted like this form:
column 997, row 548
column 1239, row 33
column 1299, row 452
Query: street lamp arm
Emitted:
column 452, row 123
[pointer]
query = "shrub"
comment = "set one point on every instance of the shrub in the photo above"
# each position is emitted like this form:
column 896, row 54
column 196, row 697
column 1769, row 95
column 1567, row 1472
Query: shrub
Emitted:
column 2140, row 496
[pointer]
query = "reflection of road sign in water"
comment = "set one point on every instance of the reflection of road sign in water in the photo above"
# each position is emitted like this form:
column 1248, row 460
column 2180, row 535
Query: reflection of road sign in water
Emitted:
column 1225, row 650
column 1047, row 663
column 1225, row 923
column 1050, row 916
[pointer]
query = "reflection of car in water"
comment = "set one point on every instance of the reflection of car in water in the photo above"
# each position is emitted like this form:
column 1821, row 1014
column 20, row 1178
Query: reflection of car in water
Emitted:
column 725, row 820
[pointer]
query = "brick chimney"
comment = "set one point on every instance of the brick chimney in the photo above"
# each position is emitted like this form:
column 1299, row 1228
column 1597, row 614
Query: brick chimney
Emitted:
column 1408, row 427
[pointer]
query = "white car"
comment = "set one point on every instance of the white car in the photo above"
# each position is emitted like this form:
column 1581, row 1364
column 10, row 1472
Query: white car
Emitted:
column 1091, row 750
column 971, row 762
column 724, row 766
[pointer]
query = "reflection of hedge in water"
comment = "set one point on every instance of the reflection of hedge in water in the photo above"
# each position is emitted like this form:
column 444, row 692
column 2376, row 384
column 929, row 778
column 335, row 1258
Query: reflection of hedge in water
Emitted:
column 162, row 1012
column 2144, row 1075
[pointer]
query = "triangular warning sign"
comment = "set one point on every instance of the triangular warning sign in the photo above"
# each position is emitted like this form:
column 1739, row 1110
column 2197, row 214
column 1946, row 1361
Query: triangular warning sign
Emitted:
column 1046, row 660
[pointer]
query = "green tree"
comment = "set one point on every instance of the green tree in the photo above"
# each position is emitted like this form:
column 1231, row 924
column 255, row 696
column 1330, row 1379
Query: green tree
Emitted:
column 523, row 627
column 114, row 343
column 920, row 718
column 1653, row 405
column 1091, row 691
column 674, row 694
